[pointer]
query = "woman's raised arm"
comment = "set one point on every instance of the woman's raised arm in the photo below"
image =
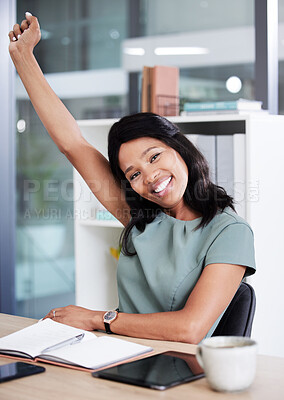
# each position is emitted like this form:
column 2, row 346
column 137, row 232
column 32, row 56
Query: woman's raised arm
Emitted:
column 60, row 124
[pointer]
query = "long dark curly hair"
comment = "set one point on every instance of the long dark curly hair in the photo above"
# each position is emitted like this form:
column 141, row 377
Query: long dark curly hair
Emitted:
column 201, row 194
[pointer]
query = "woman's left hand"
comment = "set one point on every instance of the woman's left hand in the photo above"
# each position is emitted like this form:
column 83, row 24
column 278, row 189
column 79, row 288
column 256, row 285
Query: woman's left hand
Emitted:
column 78, row 317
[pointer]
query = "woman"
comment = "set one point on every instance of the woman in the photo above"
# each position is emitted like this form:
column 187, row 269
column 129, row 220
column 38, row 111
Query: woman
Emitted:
column 184, row 249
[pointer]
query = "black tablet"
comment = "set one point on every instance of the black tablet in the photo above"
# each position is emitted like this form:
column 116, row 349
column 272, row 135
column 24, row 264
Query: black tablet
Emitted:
column 160, row 371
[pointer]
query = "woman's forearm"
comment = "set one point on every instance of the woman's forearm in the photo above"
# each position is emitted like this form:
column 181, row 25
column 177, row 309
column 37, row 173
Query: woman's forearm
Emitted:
column 57, row 120
column 171, row 326
column 179, row 326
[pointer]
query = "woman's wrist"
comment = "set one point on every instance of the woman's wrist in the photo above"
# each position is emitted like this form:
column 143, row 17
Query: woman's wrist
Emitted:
column 19, row 54
column 98, row 320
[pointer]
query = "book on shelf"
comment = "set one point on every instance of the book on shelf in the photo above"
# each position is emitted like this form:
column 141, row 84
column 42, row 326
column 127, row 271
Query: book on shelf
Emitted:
column 52, row 342
column 236, row 106
column 146, row 89
column 160, row 90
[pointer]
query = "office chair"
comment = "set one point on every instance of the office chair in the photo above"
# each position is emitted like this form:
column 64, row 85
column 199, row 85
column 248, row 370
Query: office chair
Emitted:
column 238, row 317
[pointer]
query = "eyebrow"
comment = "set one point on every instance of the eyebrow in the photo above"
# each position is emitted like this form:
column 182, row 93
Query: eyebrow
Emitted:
column 142, row 155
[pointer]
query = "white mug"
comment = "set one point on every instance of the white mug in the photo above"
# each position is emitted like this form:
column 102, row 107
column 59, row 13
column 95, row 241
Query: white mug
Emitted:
column 229, row 362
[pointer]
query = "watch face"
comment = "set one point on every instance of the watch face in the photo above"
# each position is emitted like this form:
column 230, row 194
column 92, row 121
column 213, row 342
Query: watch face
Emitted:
column 109, row 316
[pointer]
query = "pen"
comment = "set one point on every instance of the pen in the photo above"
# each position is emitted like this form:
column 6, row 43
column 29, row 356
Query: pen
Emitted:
column 72, row 340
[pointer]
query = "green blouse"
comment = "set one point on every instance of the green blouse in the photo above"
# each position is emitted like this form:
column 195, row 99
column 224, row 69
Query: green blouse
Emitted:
column 171, row 256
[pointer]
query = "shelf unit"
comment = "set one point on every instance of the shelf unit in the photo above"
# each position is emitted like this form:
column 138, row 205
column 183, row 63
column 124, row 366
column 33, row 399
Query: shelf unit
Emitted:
column 259, row 163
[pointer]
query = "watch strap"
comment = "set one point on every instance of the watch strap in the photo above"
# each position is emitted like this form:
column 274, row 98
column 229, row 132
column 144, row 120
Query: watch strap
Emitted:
column 107, row 327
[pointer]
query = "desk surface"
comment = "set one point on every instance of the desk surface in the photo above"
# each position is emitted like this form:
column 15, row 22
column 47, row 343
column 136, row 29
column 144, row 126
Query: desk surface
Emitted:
column 64, row 383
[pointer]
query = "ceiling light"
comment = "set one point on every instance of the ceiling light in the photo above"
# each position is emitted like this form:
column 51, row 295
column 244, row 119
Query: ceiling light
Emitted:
column 21, row 125
column 45, row 34
column 134, row 51
column 114, row 34
column 234, row 84
column 180, row 51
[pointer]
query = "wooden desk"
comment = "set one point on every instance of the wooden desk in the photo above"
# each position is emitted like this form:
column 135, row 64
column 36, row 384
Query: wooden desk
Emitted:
column 64, row 383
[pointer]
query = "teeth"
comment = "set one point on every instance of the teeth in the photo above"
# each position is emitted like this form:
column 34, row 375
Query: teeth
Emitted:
column 163, row 185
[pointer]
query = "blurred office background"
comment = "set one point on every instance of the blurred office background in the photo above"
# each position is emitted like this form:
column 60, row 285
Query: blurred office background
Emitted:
column 90, row 54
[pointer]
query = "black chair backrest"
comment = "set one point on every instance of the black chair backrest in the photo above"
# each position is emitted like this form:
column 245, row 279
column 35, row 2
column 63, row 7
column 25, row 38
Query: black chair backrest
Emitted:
column 238, row 317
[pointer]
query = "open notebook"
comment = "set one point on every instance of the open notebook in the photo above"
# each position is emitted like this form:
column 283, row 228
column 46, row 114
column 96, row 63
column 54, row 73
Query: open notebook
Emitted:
column 92, row 352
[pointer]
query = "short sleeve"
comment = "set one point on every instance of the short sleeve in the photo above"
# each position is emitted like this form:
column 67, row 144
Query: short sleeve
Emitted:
column 233, row 245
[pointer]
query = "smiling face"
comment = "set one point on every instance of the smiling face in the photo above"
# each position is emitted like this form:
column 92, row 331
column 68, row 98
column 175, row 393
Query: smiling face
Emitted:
column 156, row 172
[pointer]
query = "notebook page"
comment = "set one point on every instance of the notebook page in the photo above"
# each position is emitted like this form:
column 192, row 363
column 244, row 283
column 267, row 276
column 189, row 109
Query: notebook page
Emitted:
column 98, row 353
column 33, row 339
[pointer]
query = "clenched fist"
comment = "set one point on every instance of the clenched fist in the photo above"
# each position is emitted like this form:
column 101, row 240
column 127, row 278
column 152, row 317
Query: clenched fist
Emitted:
column 25, row 36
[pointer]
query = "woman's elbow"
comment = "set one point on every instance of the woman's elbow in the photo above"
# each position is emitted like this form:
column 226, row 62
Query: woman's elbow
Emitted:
column 190, row 332
column 71, row 148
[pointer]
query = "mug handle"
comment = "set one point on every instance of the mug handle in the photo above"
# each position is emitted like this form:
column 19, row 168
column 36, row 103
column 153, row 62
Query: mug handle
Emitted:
column 199, row 356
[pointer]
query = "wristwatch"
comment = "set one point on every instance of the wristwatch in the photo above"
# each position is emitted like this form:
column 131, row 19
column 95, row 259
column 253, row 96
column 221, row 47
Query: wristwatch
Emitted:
column 109, row 317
